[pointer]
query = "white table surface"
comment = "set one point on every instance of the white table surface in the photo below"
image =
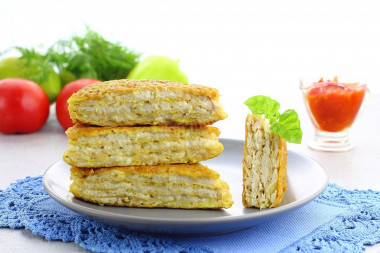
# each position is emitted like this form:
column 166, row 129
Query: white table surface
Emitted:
column 31, row 154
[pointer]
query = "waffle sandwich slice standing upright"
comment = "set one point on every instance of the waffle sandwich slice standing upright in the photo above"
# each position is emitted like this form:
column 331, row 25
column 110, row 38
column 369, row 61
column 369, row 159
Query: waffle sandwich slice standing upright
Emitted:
column 264, row 165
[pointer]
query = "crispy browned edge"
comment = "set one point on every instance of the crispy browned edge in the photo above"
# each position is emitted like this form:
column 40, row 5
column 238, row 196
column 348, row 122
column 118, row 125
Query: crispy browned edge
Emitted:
column 196, row 170
column 79, row 130
column 244, row 161
column 282, row 170
column 96, row 90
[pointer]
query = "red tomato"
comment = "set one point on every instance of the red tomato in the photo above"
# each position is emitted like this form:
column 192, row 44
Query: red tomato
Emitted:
column 24, row 106
column 61, row 105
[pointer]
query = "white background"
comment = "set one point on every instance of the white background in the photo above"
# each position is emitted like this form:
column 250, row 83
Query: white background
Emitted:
column 243, row 48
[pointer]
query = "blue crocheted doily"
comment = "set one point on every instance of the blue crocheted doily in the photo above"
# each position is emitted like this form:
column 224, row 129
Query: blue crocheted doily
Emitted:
column 350, row 231
column 25, row 204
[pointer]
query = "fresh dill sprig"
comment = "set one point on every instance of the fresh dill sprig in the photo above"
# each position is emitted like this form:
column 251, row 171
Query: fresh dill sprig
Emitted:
column 37, row 65
column 92, row 56
column 88, row 56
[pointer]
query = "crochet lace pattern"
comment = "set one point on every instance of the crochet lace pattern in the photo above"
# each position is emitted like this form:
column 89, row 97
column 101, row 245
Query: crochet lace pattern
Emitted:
column 350, row 231
column 25, row 204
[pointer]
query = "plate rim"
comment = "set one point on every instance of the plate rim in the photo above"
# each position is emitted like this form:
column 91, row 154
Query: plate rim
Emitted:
column 87, row 211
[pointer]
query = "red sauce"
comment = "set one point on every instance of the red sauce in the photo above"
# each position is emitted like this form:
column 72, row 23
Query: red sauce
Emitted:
column 334, row 105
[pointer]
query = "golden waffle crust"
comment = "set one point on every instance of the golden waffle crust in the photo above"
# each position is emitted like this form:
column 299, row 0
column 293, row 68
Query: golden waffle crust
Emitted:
column 148, row 145
column 145, row 102
column 264, row 165
column 186, row 186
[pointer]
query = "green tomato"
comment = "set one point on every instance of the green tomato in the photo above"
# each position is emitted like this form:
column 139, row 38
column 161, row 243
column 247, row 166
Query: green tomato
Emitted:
column 159, row 68
column 66, row 77
column 16, row 67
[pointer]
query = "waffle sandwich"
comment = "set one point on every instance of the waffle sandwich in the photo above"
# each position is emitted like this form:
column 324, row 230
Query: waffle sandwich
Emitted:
column 185, row 186
column 137, row 143
column 147, row 145
column 264, row 165
column 145, row 102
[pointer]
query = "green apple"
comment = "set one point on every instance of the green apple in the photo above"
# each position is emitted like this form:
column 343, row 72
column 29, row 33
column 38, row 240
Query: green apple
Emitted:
column 159, row 68
column 17, row 67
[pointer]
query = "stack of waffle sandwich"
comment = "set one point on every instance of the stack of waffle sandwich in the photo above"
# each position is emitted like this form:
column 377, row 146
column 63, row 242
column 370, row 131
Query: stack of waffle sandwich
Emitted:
column 138, row 143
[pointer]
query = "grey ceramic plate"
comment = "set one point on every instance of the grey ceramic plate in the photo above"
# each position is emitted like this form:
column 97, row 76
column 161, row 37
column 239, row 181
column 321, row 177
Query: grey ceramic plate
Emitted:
column 306, row 180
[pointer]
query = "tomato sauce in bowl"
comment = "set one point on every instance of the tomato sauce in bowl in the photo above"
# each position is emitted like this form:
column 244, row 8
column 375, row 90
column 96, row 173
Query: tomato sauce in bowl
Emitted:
column 333, row 106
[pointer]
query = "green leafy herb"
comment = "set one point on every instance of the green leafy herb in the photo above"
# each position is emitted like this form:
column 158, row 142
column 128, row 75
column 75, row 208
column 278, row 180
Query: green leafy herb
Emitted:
column 36, row 61
column 88, row 56
column 92, row 56
column 286, row 124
